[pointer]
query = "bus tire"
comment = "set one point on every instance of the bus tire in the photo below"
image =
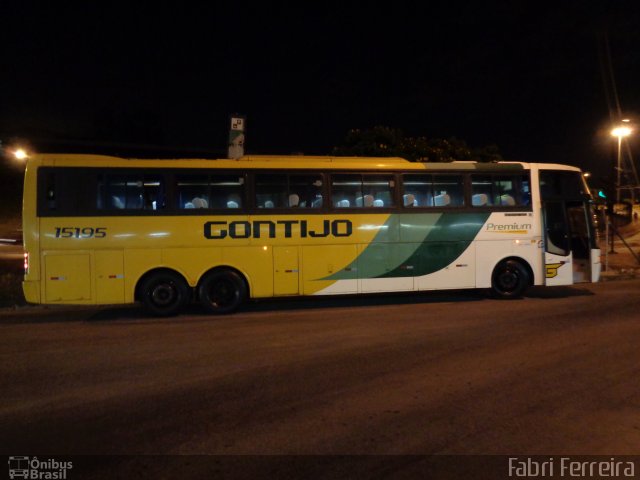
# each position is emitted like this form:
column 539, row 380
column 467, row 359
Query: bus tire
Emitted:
column 509, row 279
column 222, row 291
column 164, row 293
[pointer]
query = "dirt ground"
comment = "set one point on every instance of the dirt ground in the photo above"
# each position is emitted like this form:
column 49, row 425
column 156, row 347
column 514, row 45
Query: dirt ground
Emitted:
column 623, row 263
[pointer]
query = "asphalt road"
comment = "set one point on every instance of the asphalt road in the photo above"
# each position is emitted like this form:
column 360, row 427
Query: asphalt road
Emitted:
column 435, row 373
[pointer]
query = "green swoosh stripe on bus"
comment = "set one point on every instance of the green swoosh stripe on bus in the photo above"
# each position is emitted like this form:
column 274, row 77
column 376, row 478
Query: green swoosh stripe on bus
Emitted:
column 429, row 243
column 451, row 236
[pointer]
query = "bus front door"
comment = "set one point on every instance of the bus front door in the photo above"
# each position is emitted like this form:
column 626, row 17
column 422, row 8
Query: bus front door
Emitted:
column 567, row 243
column 581, row 241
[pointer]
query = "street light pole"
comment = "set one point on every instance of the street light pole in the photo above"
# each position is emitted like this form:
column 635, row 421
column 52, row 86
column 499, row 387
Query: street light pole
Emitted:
column 619, row 169
column 620, row 132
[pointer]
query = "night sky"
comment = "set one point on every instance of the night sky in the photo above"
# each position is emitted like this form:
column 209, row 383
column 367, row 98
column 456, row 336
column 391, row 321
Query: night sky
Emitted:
column 522, row 75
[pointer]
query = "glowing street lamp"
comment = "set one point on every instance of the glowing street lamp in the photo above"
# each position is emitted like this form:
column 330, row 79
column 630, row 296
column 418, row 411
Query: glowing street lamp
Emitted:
column 20, row 154
column 620, row 132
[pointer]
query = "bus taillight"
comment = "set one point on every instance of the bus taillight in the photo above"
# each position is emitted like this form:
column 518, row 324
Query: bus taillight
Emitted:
column 26, row 263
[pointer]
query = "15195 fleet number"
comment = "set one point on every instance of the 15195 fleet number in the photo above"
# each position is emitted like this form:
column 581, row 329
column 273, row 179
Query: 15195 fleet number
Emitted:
column 81, row 232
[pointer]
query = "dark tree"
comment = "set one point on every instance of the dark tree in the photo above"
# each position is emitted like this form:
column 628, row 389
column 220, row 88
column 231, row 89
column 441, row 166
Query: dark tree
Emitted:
column 383, row 141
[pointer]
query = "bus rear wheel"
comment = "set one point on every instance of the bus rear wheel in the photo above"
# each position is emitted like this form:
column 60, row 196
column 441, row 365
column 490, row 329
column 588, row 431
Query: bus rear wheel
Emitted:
column 164, row 293
column 509, row 279
column 222, row 291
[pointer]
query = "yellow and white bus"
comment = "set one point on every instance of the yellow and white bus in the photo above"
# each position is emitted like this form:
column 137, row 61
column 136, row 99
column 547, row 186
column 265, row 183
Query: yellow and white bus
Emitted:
column 105, row 230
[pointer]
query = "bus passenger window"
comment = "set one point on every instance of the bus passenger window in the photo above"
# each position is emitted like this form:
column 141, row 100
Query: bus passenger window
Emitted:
column 525, row 191
column 505, row 190
column 346, row 190
column 448, row 190
column 271, row 190
column 226, row 191
column 206, row 191
column 418, row 190
column 192, row 191
column 482, row 190
column 378, row 190
column 305, row 191
column 51, row 191
column 131, row 192
column 64, row 191
column 362, row 191
column 499, row 190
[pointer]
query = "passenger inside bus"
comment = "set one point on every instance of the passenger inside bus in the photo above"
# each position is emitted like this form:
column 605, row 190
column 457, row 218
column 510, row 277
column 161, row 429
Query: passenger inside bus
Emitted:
column 199, row 202
column 294, row 200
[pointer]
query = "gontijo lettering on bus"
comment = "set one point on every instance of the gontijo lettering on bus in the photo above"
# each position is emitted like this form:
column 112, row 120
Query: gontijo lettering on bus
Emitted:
column 267, row 229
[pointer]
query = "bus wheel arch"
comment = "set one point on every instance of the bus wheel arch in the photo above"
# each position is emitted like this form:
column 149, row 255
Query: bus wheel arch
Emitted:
column 222, row 290
column 163, row 291
column 511, row 277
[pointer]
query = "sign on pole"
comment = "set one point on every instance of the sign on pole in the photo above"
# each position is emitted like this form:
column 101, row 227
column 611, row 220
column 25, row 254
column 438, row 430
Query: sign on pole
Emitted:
column 236, row 137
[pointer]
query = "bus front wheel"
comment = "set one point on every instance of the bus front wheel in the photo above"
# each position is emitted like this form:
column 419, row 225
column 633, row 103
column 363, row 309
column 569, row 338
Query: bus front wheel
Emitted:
column 164, row 293
column 509, row 279
column 222, row 291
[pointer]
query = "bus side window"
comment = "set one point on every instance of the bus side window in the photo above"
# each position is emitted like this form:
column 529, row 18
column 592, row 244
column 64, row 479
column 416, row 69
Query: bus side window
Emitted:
column 505, row 190
column 448, row 190
column 418, row 190
column 153, row 196
column 204, row 191
column 362, row 191
column 482, row 191
column 305, row 191
column 115, row 187
column 271, row 190
column 525, row 191
column 346, row 190
column 378, row 190
column 499, row 190
column 62, row 191
column 191, row 189
column 131, row 192
column 227, row 191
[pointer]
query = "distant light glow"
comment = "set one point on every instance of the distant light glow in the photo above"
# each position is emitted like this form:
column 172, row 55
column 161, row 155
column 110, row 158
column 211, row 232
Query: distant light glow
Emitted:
column 621, row 132
column 20, row 154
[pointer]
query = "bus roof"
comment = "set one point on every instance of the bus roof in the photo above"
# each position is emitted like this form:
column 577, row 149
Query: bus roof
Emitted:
column 280, row 162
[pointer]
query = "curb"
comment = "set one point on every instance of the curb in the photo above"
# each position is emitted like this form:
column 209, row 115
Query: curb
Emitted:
column 620, row 274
